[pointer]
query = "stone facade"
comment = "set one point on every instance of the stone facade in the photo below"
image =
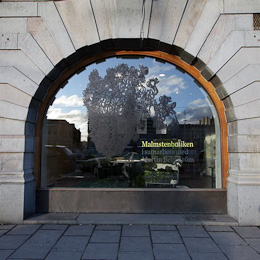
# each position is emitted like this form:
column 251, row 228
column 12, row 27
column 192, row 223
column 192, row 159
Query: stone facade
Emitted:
column 216, row 36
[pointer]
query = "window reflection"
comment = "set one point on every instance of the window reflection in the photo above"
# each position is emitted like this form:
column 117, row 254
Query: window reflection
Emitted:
column 131, row 123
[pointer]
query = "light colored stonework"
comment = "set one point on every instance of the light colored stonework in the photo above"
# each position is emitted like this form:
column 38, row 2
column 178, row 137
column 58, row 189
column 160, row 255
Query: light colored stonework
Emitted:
column 189, row 20
column 18, row 9
column 13, row 25
column 36, row 35
column 13, row 95
column 39, row 31
column 20, row 61
column 49, row 14
column 162, row 18
column 18, row 80
column 207, row 20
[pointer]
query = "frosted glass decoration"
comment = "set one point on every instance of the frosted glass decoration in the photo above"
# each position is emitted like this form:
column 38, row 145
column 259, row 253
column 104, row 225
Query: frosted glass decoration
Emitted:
column 120, row 103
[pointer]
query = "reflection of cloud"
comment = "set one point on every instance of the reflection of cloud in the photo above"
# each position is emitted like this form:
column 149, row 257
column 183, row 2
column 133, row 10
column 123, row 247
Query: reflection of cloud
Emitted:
column 173, row 80
column 75, row 116
column 166, row 90
column 152, row 111
column 199, row 102
column 192, row 115
column 71, row 101
column 158, row 68
column 169, row 85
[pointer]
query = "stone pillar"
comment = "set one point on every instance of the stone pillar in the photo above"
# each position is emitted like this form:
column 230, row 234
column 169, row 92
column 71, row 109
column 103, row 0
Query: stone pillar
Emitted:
column 17, row 184
column 17, row 192
column 244, row 197
column 244, row 176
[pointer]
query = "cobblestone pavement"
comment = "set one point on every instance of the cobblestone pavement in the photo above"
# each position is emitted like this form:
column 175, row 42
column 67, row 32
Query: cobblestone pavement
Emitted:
column 128, row 242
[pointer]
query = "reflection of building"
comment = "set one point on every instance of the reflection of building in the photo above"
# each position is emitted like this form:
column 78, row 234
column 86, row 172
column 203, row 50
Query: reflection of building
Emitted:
column 84, row 144
column 197, row 133
column 150, row 131
column 60, row 132
column 206, row 121
column 204, row 139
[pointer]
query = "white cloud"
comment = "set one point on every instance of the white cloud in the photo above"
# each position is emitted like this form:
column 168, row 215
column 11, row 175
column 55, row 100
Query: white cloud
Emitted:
column 75, row 116
column 71, row 101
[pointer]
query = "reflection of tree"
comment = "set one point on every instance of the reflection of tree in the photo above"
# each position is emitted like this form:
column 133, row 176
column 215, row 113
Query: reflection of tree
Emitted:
column 164, row 112
column 120, row 103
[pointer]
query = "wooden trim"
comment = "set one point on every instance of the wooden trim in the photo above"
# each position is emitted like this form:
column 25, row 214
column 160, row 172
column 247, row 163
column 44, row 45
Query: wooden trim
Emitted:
column 195, row 73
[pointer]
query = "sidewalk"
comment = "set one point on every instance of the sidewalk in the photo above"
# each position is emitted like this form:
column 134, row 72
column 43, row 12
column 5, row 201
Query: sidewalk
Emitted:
column 129, row 237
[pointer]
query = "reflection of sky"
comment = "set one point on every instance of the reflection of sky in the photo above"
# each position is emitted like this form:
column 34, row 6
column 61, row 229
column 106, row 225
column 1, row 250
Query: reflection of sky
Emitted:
column 191, row 101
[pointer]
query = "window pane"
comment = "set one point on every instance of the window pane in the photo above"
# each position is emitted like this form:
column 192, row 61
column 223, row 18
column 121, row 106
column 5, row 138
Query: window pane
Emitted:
column 131, row 123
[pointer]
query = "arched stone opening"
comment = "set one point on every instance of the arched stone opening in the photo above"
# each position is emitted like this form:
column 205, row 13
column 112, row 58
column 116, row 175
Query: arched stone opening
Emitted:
column 90, row 54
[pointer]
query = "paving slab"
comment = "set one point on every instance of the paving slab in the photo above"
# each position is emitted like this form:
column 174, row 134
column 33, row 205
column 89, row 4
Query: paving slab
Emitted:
column 167, row 237
column 227, row 238
column 248, row 232
column 54, row 227
column 224, row 220
column 46, row 236
column 8, row 227
column 207, row 256
column 170, row 252
column 24, row 230
column 162, row 228
column 52, row 218
column 108, row 227
column 51, row 222
column 146, row 255
column 209, row 220
column 105, row 236
column 97, row 251
column 219, row 229
column 136, row 231
column 192, row 231
column 5, row 253
column 32, row 251
column 74, row 243
column 254, row 243
column 56, row 254
column 134, row 244
column 79, row 230
column 12, row 241
column 201, row 245
column 122, row 219
column 2, row 232
column 235, row 252
column 142, row 241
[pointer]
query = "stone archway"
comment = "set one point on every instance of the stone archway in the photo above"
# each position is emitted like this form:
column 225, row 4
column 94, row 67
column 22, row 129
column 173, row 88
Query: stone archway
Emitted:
column 47, row 91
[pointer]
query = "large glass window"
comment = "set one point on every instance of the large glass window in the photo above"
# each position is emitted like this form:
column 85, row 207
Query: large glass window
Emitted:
column 131, row 122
